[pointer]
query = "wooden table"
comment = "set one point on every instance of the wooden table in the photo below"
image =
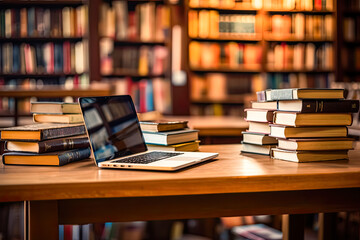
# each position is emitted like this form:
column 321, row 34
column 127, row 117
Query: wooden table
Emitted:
column 233, row 185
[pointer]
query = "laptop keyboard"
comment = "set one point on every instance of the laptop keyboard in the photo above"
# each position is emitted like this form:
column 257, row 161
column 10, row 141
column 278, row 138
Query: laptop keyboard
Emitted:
column 147, row 157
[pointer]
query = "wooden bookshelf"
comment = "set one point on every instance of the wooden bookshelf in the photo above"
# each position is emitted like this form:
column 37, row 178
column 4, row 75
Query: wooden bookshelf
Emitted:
column 264, row 34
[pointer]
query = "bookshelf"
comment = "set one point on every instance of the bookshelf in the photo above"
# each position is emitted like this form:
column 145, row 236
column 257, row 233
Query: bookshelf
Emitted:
column 43, row 49
column 256, row 43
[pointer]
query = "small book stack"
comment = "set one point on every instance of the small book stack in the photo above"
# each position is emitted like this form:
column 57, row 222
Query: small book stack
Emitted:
column 256, row 139
column 310, row 124
column 46, row 143
column 170, row 136
column 56, row 112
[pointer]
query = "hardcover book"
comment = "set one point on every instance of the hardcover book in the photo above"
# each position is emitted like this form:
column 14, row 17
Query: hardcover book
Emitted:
column 259, row 127
column 58, row 118
column 309, row 156
column 319, row 106
column 316, row 144
column 281, row 131
column 300, row 93
column 265, row 105
column 52, row 145
column 259, row 115
column 46, row 159
column 170, row 137
column 183, row 147
column 258, row 138
column 41, row 131
column 54, row 107
column 162, row 125
column 312, row 119
column 257, row 149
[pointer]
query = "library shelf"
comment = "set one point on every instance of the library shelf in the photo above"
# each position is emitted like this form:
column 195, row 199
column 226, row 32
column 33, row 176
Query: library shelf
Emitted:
column 233, row 9
column 54, row 3
column 296, row 40
column 50, row 92
column 310, row 71
column 236, row 99
column 41, row 39
column 307, row 12
column 39, row 75
column 255, row 38
column 137, row 42
column 226, row 70
column 131, row 74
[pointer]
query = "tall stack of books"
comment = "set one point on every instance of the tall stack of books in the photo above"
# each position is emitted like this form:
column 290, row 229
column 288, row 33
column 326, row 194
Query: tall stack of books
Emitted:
column 310, row 124
column 54, row 140
column 256, row 139
column 169, row 136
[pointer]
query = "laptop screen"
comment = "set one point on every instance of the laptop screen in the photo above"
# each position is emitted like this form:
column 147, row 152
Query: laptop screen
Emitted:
column 113, row 127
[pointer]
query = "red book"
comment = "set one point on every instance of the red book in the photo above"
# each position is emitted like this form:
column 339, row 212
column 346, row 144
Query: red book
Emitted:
column 67, row 232
column 67, row 57
column 142, row 92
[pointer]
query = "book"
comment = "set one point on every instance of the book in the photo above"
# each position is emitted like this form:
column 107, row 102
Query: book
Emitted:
column 258, row 115
column 316, row 144
column 162, row 125
column 58, row 118
column 184, row 147
column 257, row 232
column 308, row 156
column 259, row 127
column 54, row 107
column 312, row 119
column 300, row 93
column 265, row 105
column 170, row 137
column 46, row 159
column 258, row 138
column 324, row 106
column 41, row 131
column 52, row 145
column 258, row 149
column 280, row 131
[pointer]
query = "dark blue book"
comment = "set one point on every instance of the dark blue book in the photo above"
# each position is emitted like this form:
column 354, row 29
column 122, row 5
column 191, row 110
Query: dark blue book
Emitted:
column 16, row 23
column 31, row 22
column 58, row 57
column 40, row 61
column 16, row 58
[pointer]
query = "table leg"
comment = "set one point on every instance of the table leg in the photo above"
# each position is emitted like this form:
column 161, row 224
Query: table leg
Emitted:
column 293, row 226
column 42, row 220
column 327, row 226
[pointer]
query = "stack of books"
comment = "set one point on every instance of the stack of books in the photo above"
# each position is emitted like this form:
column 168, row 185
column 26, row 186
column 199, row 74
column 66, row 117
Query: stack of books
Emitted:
column 56, row 112
column 256, row 139
column 310, row 124
column 169, row 136
column 48, row 143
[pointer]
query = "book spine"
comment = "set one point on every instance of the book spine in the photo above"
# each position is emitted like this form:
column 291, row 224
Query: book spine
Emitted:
column 62, row 132
column 330, row 106
column 63, row 144
column 74, row 155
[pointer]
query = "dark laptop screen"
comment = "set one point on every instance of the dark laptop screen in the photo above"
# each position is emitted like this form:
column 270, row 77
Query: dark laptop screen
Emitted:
column 113, row 127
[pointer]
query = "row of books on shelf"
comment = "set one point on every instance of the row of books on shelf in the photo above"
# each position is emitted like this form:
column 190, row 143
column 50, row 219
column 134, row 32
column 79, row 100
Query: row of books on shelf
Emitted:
column 300, row 125
column 353, row 5
column 212, row 24
column 225, row 87
column 225, row 55
column 44, row 22
column 143, row 60
column 301, row 26
column 147, row 94
column 225, row 4
column 282, row 56
column 7, row 104
column 350, row 58
column 303, row 5
column 147, row 22
column 46, row 58
column 351, row 28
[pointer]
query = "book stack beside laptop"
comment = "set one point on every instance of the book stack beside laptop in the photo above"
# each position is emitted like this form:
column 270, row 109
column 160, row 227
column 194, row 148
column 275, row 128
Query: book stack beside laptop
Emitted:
column 256, row 139
column 311, row 124
column 169, row 136
column 46, row 143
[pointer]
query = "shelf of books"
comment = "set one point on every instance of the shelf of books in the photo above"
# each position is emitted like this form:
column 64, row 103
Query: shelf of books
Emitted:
column 232, row 54
column 134, row 51
column 42, row 44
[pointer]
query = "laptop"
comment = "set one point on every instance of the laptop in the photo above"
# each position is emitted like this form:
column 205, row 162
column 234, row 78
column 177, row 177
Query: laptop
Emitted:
column 116, row 139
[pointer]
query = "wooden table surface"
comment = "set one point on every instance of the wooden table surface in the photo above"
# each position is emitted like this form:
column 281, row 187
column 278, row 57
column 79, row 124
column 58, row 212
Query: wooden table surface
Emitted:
column 230, row 173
